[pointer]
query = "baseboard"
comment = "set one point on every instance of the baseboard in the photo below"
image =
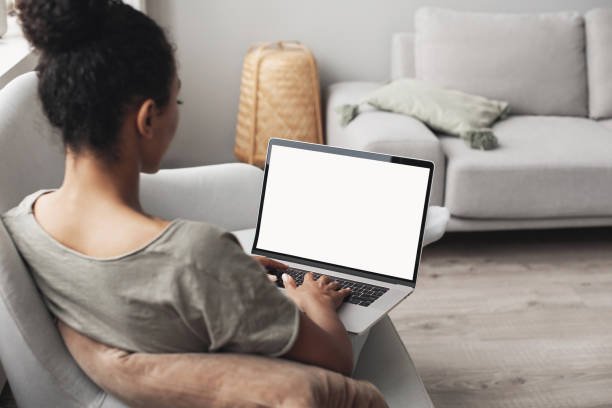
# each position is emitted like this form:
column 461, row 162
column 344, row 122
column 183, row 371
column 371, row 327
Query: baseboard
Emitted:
column 483, row 224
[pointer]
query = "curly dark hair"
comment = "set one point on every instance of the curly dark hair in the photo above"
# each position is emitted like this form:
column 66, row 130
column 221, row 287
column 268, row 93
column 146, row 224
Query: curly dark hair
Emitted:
column 98, row 57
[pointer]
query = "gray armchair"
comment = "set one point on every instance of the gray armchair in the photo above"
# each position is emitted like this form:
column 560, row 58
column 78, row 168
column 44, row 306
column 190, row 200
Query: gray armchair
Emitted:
column 38, row 366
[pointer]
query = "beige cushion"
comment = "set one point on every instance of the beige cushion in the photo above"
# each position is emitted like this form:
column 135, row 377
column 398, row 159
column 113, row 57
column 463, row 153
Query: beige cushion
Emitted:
column 445, row 110
column 544, row 167
column 599, row 61
column 534, row 62
column 214, row 380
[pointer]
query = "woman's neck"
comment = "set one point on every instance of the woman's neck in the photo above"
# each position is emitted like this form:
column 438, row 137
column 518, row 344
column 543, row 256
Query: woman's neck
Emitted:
column 88, row 176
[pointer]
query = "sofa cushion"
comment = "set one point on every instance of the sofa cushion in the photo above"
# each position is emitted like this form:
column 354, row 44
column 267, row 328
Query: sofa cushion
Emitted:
column 544, row 167
column 599, row 62
column 535, row 62
column 215, row 380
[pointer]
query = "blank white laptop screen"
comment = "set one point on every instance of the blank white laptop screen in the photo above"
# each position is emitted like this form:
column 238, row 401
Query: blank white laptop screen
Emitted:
column 348, row 211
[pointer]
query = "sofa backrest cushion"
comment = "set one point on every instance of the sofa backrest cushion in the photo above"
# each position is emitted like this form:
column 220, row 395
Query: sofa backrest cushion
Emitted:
column 599, row 62
column 535, row 62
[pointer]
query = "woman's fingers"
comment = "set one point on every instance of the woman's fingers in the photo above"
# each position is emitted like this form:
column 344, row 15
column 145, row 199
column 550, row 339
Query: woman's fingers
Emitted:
column 289, row 282
column 345, row 292
column 342, row 293
column 333, row 284
column 271, row 263
column 339, row 296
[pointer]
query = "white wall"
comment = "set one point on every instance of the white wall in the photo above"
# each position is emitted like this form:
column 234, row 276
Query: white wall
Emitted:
column 350, row 39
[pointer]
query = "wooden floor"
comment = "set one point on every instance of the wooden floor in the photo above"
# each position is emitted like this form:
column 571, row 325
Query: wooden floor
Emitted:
column 510, row 320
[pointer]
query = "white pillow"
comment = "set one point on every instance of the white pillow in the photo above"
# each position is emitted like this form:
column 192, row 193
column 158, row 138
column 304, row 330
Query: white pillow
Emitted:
column 599, row 58
column 535, row 62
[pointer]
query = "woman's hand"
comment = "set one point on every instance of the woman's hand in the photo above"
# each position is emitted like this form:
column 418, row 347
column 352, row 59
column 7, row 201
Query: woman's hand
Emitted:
column 322, row 339
column 269, row 263
column 321, row 292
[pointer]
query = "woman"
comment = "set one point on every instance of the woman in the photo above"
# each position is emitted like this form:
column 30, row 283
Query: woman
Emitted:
column 108, row 81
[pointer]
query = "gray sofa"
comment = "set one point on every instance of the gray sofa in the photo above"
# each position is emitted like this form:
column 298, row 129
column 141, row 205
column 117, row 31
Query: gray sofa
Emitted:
column 554, row 164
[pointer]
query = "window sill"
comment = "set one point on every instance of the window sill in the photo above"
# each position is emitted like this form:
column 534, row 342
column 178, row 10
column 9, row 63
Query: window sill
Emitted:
column 16, row 54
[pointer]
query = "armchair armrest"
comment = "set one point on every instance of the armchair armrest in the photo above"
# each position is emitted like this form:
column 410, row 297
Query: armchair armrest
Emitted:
column 386, row 363
column 384, row 132
column 226, row 195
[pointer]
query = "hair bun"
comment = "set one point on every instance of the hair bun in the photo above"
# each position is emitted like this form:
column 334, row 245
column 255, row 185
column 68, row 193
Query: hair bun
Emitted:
column 59, row 25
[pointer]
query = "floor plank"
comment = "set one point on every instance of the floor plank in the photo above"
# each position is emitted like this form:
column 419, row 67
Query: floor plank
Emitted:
column 514, row 319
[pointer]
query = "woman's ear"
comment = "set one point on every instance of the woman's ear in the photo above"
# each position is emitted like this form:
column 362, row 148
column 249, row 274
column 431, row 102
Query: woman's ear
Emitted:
column 144, row 118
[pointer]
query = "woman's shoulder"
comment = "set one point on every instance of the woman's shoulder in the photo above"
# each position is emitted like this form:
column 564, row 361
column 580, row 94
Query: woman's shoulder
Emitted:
column 197, row 232
column 25, row 206
column 199, row 242
column 214, row 253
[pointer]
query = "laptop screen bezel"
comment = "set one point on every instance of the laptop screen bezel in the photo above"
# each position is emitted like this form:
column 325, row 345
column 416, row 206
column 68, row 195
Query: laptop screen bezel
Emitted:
column 352, row 153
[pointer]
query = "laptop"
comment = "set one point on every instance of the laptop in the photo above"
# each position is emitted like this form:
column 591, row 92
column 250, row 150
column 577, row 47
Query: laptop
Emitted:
column 355, row 216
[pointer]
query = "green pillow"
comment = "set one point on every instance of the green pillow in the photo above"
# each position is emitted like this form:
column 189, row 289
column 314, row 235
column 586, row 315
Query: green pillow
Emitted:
column 444, row 110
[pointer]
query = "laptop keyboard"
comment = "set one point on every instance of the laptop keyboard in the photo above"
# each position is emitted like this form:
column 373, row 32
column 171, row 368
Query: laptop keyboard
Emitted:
column 362, row 294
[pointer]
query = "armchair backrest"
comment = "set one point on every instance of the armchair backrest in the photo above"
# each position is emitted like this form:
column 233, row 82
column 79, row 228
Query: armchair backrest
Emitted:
column 39, row 368
column 35, row 360
column 31, row 152
column 32, row 158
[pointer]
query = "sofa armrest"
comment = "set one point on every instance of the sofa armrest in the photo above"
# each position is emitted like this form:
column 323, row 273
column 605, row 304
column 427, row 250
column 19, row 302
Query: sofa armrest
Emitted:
column 384, row 132
column 402, row 56
column 226, row 195
column 339, row 94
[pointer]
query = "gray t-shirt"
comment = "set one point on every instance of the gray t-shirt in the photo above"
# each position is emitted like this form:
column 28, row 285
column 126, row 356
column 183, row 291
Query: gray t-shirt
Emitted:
column 191, row 289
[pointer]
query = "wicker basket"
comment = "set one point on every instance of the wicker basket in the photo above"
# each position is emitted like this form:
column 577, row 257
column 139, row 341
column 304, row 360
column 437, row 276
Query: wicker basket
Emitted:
column 279, row 97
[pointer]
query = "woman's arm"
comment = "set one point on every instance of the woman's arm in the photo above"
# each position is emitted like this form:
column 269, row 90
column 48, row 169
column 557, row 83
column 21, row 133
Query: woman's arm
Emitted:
column 322, row 339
